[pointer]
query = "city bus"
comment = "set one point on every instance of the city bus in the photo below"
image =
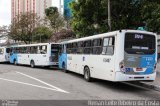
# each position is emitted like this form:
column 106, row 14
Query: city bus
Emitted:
column 158, row 47
column 43, row 54
column 4, row 54
column 124, row 55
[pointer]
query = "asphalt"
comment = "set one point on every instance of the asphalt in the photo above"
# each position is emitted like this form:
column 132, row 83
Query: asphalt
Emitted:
column 155, row 85
column 25, row 83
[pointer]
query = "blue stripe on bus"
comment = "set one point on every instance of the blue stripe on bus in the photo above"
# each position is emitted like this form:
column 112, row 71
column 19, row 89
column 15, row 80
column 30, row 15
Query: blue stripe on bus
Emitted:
column 147, row 61
column 13, row 57
column 62, row 58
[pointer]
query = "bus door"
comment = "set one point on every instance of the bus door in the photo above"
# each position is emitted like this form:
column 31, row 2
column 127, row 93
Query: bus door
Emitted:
column 54, row 53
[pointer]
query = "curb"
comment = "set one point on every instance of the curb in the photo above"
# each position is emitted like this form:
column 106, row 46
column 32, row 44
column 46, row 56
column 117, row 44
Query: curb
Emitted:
column 149, row 86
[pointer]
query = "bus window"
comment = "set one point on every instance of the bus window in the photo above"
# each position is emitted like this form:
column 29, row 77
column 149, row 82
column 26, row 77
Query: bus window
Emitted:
column 136, row 43
column 55, row 48
column 74, row 49
column 28, row 50
column 34, row 49
column 8, row 50
column 87, row 47
column 69, row 48
column 108, row 46
column 42, row 49
column 97, row 46
column 80, row 47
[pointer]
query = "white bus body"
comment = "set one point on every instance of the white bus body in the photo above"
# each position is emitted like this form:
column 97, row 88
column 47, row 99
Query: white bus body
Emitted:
column 4, row 54
column 114, row 60
column 43, row 54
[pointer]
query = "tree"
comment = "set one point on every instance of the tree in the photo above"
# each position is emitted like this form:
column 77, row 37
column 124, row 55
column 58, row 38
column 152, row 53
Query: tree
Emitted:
column 3, row 30
column 126, row 14
column 54, row 18
column 23, row 26
column 63, row 35
column 4, row 34
column 91, row 17
column 42, row 34
column 151, row 15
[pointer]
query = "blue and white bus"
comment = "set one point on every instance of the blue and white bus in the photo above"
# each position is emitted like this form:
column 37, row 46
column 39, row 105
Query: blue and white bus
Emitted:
column 4, row 54
column 125, row 55
column 43, row 54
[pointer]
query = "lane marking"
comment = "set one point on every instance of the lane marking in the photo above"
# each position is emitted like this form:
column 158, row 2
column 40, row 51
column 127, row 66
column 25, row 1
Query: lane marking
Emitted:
column 29, row 84
column 54, row 87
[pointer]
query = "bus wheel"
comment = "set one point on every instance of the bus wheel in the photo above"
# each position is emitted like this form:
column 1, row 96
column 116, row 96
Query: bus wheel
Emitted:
column 32, row 64
column 64, row 67
column 87, row 75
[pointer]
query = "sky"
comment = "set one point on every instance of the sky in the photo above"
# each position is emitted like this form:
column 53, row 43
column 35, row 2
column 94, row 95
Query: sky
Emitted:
column 5, row 11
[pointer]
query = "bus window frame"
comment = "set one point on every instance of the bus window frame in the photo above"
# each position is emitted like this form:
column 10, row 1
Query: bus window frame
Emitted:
column 109, row 46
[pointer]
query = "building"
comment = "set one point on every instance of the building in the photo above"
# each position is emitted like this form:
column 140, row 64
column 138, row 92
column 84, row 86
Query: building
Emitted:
column 64, row 8
column 34, row 6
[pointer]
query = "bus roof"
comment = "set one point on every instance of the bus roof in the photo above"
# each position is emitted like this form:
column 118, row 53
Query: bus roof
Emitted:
column 38, row 44
column 114, row 33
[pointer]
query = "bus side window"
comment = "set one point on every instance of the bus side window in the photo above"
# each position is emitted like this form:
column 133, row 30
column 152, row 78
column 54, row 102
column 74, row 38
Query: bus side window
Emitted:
column 69, row 48
column 97, row 46
column 74, row 49
column 8, row 50
column 80, row 47
column 87, row 47
column 42, row 49
column 34, row 49
column 108, row 46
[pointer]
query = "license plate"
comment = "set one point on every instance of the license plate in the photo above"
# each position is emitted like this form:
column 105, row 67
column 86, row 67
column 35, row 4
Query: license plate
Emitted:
column 139, row 69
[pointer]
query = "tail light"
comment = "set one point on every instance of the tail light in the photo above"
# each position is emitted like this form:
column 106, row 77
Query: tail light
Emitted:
column 155, row 66
column 122, row 66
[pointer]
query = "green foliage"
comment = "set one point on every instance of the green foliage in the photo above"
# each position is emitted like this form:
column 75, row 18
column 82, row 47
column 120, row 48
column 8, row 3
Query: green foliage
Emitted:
column 126, row 14
column 151, row 15
column 22, row 27
column 51, row 10
column 55, row 20
column 41, row 34
column 91, row 17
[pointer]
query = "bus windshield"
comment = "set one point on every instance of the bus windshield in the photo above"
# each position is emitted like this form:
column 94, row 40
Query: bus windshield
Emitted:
column 137, row 43
column 54, row 48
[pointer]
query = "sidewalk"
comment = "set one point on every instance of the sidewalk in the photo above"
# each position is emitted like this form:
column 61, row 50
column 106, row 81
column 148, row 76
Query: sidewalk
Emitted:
column 156, row 84
column 157, row 80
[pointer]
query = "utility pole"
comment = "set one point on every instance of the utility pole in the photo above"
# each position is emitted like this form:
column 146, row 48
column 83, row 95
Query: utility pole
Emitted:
column 109, row 15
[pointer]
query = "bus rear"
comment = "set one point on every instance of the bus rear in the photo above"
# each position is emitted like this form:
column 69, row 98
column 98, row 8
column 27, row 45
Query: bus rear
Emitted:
column 4, row 54
column 140, row 57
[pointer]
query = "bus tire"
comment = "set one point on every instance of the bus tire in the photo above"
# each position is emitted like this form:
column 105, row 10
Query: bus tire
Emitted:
column 64, row 67
column 32, row 64
column 87, row 75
